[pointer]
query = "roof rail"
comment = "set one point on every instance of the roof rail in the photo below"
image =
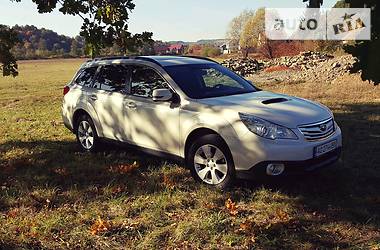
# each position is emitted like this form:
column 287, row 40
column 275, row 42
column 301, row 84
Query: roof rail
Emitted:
column 113, row 58
column 201, row 57
column 125, row 58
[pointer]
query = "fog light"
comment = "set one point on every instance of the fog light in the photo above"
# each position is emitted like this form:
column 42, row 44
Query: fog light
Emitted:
column 275, row 169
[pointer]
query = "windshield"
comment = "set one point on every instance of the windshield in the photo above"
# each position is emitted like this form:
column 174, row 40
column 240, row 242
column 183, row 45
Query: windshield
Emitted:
column 200, row 81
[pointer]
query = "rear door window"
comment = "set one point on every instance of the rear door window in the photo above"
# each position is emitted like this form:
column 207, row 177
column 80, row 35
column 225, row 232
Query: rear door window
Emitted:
column 86, row 76
column 112, row 78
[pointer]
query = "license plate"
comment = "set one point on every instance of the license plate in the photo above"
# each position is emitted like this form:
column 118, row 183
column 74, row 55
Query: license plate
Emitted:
column 325, row 148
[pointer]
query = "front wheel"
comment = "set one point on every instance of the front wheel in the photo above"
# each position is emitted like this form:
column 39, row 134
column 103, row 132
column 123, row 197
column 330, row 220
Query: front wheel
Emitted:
column 87, row 137
column 210, row 161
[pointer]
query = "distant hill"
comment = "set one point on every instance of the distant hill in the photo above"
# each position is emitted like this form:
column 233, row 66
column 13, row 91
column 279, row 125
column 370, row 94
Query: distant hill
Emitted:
column 36, row 43
column 44, row 43
column 179, row 42
column 216, row 42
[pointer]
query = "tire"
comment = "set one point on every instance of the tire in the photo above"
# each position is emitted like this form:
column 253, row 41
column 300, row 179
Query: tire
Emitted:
column 86, row 134
column 210, row 162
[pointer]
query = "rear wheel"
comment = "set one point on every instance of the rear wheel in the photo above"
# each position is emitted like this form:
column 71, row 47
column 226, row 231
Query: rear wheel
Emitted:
column 210, row 161
column 87, row 137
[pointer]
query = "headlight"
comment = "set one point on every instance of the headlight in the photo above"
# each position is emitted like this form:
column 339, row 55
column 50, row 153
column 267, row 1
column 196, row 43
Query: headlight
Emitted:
column 266, row 129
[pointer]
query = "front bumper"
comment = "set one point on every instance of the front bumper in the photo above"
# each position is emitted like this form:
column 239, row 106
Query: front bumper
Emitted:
column 292, row 167
column 251, row 150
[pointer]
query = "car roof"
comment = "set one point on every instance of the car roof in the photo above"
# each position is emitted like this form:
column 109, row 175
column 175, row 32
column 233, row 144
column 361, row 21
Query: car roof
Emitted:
column 160, row 60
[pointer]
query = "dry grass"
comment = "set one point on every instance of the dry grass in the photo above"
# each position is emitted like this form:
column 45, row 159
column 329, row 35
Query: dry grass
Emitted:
column 53, row 197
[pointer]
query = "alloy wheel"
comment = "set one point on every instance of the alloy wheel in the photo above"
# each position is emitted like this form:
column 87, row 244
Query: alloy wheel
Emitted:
column 86, row 135
column 210, row 164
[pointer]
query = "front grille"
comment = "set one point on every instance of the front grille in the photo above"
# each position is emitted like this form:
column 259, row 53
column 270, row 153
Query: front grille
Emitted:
column 318, row 131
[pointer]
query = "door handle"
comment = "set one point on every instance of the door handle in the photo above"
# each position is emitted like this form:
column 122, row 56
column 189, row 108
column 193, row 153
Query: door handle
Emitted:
column 93, row 97
column 132, row 105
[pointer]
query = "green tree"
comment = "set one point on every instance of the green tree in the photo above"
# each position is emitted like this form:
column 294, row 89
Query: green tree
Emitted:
column 210, row 51
column 8, row 38
column 314, row 3
column 41, row 49
column 341, row 4
column 74, row 50
column 367, row 52
column 104, row 22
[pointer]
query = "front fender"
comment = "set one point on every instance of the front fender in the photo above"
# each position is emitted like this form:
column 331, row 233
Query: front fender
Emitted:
column 189, row 122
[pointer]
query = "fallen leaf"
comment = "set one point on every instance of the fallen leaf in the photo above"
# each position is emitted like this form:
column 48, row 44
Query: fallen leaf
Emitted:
column 100, row 226
column 246, row 226
column 123, row 168
column 281, row 215
column 13, row 213
column 61, row 171
column 210, row 206
column 231, row 207
column 117, row 190
column 168, row 182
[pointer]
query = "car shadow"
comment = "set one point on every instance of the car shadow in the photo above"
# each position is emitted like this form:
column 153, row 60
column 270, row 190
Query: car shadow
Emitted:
column 348, row 191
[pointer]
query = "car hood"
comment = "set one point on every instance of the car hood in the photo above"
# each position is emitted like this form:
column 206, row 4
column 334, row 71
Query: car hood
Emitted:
column 283, row 110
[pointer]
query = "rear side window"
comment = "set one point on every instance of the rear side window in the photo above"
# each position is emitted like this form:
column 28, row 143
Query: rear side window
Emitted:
column 144, row 80
column 112, row 78
column 86, row 76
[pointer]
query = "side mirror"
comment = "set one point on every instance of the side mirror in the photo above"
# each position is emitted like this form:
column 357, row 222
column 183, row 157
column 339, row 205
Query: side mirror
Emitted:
column 162, row 95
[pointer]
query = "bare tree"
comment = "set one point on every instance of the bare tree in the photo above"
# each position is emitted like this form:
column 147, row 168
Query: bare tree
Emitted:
column 236, row 27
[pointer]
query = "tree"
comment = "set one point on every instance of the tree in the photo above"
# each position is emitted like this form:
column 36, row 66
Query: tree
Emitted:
column 253, row 35
column 367, row 52
column 341, row 4
column 314, row 3
column 104, row 22
column 236, row 27
column 8, row 38
column 210, row 51
column 41, row 48
column 74, row 51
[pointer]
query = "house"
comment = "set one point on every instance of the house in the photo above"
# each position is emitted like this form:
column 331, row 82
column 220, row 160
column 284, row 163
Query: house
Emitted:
column 224, row 49
column 229, row 47
column 161, row 48
column 176, row 49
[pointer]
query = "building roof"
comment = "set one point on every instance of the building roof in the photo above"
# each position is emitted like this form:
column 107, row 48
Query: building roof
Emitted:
column 175, row 46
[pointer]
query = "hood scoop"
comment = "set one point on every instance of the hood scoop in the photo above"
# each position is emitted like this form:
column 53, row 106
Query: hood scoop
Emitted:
column 274, row 100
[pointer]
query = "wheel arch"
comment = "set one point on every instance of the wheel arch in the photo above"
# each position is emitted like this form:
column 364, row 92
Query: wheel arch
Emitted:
column 79, row 112
column 197, row 133
column 76, row 116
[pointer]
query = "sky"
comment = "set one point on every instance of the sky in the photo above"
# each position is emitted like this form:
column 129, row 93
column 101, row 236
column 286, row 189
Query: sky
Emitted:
column 169, row 20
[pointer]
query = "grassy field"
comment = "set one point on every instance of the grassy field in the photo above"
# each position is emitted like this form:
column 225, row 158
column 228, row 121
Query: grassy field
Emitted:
column 53, row 197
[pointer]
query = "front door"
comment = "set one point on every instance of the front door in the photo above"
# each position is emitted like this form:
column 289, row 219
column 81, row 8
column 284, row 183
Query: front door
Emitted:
column 155, row 125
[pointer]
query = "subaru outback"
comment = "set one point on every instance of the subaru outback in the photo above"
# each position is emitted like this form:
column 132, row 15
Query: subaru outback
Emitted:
column 199, row 111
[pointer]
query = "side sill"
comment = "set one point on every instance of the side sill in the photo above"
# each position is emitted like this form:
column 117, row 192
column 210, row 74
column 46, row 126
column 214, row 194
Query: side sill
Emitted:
column 149, row 151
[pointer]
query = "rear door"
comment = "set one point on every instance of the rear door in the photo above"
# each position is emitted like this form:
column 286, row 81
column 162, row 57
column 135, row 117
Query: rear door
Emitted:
column 108, row 100
column 82, row 83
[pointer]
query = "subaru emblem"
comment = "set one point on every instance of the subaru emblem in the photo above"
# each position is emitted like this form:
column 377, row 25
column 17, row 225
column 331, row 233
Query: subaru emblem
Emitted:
column 323, row 127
